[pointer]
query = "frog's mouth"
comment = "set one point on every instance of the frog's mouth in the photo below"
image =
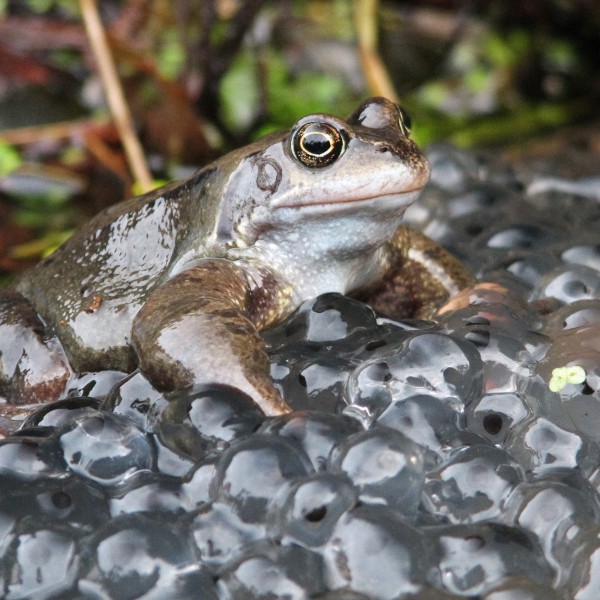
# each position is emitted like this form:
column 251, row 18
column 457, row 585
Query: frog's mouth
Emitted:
column 394, row 192
column 398, row 199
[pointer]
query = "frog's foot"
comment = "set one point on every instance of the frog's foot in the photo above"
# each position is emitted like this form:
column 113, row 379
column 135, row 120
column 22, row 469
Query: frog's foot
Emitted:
column 406, row 293
column 481, row 293
column 397, row 298
column 265, row 396
column 33, row 370
column 195, row 329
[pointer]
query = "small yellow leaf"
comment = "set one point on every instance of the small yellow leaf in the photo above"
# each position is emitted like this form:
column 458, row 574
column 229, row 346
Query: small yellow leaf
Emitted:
column 563, row 375
column 575, row 374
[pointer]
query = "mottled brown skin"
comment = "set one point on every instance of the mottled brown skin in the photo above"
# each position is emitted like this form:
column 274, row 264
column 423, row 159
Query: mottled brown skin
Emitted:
column 407, row 289
column 179, row 282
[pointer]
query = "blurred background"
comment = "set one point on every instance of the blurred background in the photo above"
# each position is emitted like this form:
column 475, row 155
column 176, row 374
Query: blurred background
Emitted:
column 203, row 76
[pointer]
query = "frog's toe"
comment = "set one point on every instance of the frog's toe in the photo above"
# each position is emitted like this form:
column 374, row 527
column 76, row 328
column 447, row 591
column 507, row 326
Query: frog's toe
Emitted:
column 273, row 404
column 481, row 293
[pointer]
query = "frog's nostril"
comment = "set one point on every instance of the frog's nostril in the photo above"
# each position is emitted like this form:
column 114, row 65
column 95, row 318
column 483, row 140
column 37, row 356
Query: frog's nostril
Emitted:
column 383, row 149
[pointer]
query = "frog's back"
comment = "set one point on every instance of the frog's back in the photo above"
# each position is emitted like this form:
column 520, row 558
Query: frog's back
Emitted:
column 91, row 288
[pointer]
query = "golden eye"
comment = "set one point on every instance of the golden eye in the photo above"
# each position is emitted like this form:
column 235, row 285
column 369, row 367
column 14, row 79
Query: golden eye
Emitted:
column 317, row 144
column 404, row 122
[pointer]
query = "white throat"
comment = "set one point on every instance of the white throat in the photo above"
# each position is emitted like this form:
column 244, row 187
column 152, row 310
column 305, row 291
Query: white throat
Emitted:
column 326, row 253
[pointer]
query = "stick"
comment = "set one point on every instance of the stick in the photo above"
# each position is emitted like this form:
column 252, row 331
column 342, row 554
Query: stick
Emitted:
column 378, row 80
column 114, row 94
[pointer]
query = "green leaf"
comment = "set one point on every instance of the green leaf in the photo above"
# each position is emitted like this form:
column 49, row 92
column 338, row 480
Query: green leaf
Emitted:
column 291, row 97
column 138, row 190
column 10, row 159
column 563, row 375
column 171, row 58
column 239, row 93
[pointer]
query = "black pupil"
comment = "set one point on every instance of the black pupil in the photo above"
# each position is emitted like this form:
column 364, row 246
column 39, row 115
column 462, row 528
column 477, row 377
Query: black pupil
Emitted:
column 316, row 144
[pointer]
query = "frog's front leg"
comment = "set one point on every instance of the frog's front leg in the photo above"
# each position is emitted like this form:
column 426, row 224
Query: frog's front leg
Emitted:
column 201, row 326
column 420, row 278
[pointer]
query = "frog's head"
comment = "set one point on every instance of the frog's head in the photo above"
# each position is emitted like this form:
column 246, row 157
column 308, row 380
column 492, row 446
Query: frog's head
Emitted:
column 341, row 184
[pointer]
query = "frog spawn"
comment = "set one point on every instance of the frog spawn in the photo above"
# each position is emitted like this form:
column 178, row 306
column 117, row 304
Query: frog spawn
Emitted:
column 426, row 460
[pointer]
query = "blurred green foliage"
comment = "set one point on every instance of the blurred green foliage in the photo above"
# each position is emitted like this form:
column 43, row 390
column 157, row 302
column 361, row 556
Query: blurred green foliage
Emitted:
column 171, row 55
column 10, row 159
column 67, row 7
column 287, row 97
column 485, row 76
column 505, row 72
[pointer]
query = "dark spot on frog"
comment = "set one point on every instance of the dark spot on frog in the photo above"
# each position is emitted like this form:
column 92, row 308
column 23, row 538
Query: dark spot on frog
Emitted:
column 269, row 174
column 94, row 305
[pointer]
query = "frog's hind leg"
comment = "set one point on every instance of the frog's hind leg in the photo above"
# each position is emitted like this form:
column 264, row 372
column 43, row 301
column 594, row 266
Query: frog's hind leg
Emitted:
column 33, row 368
column 421, row 277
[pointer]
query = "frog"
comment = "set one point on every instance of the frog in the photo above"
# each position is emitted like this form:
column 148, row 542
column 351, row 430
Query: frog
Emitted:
column 178, row 283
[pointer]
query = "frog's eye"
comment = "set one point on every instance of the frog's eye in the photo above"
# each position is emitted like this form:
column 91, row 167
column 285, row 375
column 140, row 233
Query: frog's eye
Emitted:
column 404, row 122
column 317, row 144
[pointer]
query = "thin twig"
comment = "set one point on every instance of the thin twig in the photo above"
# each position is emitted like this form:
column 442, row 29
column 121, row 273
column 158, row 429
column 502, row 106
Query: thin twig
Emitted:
column 51, row 131
column 114, row 94
column 378, row 80
column 107, row 157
